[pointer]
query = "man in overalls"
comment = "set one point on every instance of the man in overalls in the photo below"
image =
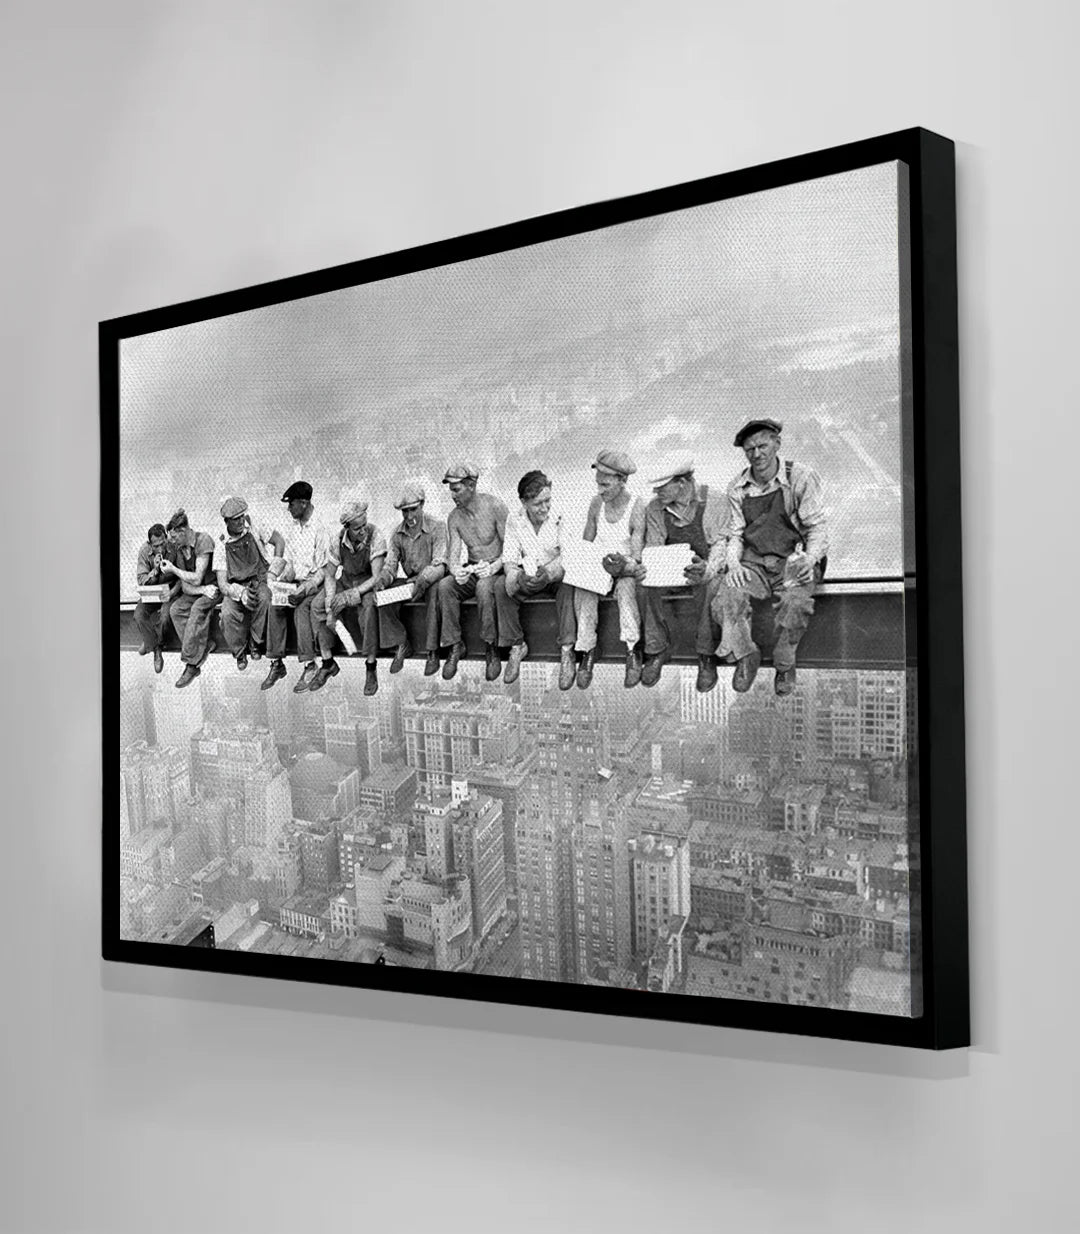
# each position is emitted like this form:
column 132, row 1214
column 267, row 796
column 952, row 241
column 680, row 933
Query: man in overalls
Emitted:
column 360, row 550
column 475, row 529
column 418, row 546
column 776, row 548
column 683, row 512
column 193, row 608
column 242, row 565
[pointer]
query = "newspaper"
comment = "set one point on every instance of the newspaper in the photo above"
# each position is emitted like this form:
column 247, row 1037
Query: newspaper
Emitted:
column 153, row 593
column 280, row 592
column 394, row 595
column 664, row 565
column 582, row 565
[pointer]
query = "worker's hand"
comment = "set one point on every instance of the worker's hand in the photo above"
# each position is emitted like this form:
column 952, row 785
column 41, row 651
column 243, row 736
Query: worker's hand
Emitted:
column 296, row 598
column 695, row 571
column 615, row 564
column 804, row 576
column 237, row 591
column 167, row 566
column 419, row 587
column 738, row 576
column 210, row 591
column 461, row 576
column 483, row 569
column 337, row 605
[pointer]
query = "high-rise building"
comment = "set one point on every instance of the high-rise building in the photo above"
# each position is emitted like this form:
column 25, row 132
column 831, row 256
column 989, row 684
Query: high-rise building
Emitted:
column 435, row 916
column 322, row 788
column 711, row 708
column 601, row 886
column 463, row 836
column 390, row 790
column 882, row 702
column 660, row 873
column 178, row 714
column 508, row 785
column 446, row 735
column 572, row 755
column 319, row 856
column 535, row 680
column 353, row 741
column 155, row 785
column 268, row 804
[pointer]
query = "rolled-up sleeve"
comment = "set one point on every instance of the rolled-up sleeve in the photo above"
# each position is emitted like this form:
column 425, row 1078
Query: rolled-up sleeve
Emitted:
column 810, row 510
column 655, row 528
column 736, row 523
column 438, row 544
column 512, row 552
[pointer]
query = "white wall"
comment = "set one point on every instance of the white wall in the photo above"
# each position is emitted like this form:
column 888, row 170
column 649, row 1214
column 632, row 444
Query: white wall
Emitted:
column 158, row 152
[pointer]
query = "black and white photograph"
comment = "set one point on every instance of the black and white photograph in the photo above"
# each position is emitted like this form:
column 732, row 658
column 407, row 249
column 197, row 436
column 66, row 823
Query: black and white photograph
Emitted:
column 540, row 616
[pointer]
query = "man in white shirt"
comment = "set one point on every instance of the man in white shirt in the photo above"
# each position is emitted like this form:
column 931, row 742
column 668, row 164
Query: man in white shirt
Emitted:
column 307, row 550
column 532, row 566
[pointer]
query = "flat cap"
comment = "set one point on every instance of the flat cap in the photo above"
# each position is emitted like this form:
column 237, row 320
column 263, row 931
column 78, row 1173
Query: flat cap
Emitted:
column 233, row 507
column 757, row 426
column 299, row 491
column 615, row 463
column 668, row 469
column 411, row 494
column 461, row 470
column 354, row 507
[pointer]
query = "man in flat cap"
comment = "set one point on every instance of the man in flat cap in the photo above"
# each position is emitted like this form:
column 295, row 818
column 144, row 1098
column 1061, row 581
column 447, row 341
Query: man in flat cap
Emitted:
column 243, row 560
column 615, row 522
column 307, row 550
column 193, row 608
column 418, row 546
column 683, row 511
column 152, row 620
column 777, row 540
column 532, row 566
column 475, row 531
column 358, row 551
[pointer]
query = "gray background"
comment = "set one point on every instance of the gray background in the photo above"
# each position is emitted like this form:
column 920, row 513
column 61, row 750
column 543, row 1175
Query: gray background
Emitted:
column 160, row 152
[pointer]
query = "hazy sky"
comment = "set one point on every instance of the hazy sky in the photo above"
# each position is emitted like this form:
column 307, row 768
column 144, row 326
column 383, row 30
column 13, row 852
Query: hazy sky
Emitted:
column 809, row 261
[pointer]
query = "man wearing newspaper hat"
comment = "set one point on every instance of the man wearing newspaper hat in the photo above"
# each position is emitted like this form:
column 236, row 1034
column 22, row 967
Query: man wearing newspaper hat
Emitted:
column 475, row 530
column 683, row 511
column 242, row 563
column 417, row 547
column 358, row 550
column 616, row 523
column 777, row 541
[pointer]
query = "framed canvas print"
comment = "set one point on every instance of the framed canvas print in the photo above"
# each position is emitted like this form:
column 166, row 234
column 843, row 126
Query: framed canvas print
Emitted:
column 566, row 614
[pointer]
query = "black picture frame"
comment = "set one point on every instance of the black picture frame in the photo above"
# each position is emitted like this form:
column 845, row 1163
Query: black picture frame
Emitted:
column 933, row 619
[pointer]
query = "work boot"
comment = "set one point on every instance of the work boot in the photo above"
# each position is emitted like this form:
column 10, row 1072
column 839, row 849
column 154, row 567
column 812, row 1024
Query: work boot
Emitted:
column 277, row 671
column 784, row 681
column 449, row 669
column 492, row 661
column 145, row 649
column 242, row 661
column 327, row 669
column 633, row 668
column 306, row 678
column 371, row 679
column 159, row 660
column 431, row 664
column 707, row 675
column 652, row 668
column 191, row 671
column 513, row 664
column 567, row 668
column 401, row 653
column 745, row 671
column 255, row 653
column 585, row 670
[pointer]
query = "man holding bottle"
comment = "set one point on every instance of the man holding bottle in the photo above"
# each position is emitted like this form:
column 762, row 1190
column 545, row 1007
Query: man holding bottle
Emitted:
column 777, row 541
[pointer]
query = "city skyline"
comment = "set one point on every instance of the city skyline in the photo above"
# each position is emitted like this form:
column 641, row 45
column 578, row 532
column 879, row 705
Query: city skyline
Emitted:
column 641, row 847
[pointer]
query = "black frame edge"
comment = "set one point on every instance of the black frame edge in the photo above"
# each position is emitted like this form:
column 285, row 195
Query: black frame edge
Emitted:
column 944, row 1022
